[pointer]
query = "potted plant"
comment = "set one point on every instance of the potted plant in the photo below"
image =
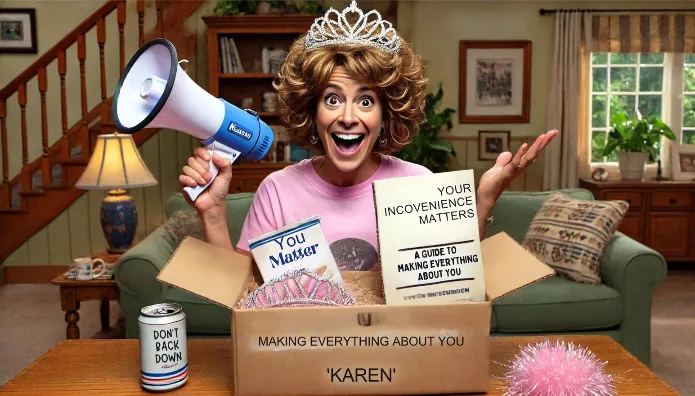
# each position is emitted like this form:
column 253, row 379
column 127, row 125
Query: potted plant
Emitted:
column 249, row 7
column 635, row 140
column 235, row 7
column 427, row 149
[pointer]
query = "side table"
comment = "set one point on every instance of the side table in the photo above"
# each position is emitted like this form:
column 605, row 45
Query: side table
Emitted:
column 72, row 292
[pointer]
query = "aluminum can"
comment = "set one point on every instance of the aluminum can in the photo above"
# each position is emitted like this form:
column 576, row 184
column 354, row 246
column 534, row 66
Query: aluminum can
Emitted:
column 163, row 347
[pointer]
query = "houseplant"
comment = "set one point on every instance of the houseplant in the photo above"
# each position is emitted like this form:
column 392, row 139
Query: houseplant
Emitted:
column 235, row 7
column 427, row 149
column 635, row 140
column 248, row 7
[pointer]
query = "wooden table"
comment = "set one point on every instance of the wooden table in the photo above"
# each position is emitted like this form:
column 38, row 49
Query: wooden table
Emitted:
column 98, row 367
column 72, row 292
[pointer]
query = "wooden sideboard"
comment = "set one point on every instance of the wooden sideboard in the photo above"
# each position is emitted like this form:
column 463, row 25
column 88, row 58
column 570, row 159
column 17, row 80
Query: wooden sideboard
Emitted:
column 661, row 214
column 247, row 176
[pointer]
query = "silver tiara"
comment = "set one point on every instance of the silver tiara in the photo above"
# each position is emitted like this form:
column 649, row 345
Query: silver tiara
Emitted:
column 377, row 33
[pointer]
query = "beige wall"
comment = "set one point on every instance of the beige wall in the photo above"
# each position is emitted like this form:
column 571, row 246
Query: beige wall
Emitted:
column 54, row 20
column 77, row 231
column 433, row 26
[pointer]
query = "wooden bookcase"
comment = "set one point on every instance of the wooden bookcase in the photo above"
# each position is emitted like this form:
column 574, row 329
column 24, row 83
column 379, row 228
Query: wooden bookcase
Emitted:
column 250, row 34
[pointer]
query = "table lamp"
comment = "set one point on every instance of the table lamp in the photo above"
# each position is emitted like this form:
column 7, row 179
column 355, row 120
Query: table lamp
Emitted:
column 116, row 165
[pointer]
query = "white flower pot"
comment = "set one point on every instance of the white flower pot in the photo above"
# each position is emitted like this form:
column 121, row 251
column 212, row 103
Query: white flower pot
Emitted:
column 632, row 165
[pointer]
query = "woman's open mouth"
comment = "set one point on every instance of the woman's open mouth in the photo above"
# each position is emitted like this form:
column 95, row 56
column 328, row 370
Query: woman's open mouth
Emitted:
column 348, row 143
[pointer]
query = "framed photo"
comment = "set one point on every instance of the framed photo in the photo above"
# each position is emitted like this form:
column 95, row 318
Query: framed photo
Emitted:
column 683, row 161
column 491, row 144
column 18, row 31
column 494, row 82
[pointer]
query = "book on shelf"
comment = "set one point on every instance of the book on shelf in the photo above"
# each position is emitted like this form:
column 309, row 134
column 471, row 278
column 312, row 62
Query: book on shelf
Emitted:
column 230, row 62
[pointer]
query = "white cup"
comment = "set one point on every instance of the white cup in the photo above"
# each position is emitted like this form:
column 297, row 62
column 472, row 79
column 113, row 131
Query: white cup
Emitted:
column 85, row 268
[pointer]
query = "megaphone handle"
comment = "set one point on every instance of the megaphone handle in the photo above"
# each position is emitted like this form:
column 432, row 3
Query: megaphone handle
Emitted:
column 224, row 152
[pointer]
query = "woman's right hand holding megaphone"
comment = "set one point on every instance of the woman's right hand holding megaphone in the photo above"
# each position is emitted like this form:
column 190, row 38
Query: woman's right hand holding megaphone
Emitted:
column 197, row 173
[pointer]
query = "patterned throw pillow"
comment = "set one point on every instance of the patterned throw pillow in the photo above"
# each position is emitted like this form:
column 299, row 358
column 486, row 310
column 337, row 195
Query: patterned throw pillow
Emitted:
column 570, row 235
column 183, row 223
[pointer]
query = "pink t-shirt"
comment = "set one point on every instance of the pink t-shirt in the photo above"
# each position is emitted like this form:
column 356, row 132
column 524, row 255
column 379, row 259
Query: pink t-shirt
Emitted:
column 347, row 213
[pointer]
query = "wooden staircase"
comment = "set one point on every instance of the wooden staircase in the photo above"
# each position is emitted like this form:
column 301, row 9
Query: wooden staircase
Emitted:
column 44, row 187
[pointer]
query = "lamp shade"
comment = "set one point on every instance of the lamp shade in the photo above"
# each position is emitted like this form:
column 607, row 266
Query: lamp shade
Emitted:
column 115, row 163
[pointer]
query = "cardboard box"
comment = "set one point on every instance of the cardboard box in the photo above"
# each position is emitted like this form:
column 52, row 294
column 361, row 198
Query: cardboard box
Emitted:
column 393, row 350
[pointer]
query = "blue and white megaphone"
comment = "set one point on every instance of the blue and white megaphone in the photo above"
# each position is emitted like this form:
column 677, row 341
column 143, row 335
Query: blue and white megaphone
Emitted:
column 154, row 92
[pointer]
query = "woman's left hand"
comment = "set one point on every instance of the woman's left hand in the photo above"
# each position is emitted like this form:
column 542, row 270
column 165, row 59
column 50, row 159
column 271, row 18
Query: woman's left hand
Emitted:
column 506, row 169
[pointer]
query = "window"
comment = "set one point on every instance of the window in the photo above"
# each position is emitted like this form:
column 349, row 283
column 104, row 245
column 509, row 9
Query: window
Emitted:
column 651, row 83
column 688, row 100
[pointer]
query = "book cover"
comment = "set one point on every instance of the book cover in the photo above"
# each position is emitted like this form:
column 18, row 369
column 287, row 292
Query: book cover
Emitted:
column 429, row 242
column 299, row 245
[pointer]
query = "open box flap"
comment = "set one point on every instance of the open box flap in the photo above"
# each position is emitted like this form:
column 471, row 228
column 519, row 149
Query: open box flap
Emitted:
column 222, row 276
column 211, row 272
column 508, row 266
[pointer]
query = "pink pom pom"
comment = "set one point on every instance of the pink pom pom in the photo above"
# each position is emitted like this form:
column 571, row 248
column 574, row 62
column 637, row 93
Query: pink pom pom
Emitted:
column 557, row 369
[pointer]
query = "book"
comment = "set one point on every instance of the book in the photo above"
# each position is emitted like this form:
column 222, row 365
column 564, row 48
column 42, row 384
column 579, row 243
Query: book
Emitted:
column 238, row 67
column 429, row 242
column 224, row 67
column 228, row 66
column 299, row 245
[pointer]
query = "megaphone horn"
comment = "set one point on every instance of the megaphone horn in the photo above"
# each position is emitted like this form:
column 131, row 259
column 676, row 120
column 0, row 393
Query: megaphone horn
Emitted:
column 154, row 92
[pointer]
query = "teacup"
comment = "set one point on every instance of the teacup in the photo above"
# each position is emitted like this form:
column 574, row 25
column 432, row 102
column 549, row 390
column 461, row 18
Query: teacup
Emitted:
column 88, row 268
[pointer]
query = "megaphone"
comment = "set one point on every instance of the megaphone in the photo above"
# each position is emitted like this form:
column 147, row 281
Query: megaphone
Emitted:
column 154, row 92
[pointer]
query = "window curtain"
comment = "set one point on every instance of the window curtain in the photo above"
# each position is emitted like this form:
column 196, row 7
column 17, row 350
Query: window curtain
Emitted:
column 643, row 33
column 567, row 158
column 661, row 33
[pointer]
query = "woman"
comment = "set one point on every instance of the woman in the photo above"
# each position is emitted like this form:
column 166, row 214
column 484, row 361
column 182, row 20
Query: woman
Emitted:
column 360, row 98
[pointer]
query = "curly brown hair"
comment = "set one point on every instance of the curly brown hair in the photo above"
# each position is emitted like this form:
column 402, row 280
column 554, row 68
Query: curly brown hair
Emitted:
column 399, row 79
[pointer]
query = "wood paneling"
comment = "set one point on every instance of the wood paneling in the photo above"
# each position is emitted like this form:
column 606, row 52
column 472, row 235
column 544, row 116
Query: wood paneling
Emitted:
column 138, row 195
column 32, row 273
column 153, row 196
column 97, row 241
column 38, row 248
column 59, row 247
column 169, row 174
column 77, row 232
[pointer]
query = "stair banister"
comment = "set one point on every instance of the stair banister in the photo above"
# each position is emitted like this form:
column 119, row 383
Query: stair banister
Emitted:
column 28, row 203
column 38, row 69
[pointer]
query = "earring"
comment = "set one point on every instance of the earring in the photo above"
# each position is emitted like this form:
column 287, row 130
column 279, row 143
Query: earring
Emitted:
column 382, row 138
column 314, row 138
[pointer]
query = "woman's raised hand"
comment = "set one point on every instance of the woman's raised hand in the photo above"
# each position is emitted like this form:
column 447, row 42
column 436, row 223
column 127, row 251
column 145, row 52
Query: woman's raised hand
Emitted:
column 197, row 172
column 507, row 168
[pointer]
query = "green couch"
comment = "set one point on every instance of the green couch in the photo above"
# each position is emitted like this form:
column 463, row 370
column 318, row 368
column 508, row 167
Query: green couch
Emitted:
column 619, row 307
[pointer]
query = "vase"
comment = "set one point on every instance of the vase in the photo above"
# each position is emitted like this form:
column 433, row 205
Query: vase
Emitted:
column 631, row 165
column 263, row 8
column 119, row 220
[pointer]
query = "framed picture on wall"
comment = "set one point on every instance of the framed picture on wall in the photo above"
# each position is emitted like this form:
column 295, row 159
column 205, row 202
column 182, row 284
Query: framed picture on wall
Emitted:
column 494, row 82
column 491, row 144
column 18, row 31
column 683, row 161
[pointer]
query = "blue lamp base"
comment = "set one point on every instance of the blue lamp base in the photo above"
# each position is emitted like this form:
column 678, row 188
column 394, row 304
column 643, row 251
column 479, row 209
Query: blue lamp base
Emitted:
column 119, row 220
